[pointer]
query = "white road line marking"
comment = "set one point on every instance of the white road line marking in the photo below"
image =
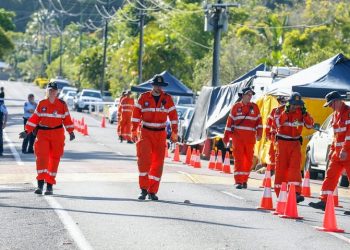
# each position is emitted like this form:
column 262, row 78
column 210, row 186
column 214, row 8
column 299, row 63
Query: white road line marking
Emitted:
column 194, row 180
column 13, row 150
column 233, row 195
column 69, row 224
column 341, row 237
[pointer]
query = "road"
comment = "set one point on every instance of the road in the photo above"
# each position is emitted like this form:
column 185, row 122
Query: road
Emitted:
column 95, row 204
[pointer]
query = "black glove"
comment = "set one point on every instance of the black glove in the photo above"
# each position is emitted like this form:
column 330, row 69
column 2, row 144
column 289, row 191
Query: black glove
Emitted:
column 71, row 136
column 287, row 107
column 303, row 110
column 23, row 135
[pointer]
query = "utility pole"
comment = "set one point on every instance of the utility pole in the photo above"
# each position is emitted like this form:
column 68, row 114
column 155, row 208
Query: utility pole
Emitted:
column 61, row 44
column 104, row 51
column 142, row 20
column 216, row 20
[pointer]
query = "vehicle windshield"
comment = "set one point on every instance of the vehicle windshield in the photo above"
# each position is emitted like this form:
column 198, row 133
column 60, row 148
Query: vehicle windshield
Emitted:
column 71, row 93
column 92, row 94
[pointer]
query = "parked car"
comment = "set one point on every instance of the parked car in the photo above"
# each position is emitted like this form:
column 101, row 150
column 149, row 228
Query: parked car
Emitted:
column 86, row 96
column 65, row 89
column 107, row 96
column 317, row 151
column 113, row 111
column 184, row 114
column 61, row 83
column 69, row 98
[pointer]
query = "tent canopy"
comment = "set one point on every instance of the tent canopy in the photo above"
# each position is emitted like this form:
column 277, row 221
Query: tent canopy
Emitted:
column 175, row 87
column 318, row 80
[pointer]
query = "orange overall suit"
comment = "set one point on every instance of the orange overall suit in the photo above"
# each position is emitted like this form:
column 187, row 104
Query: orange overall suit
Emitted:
column 341, row 142
column 49, row 119
column 127, row 105
column 271, row 134
column 119, row 114
column 243, row 125
column 152, row 142
column 288, row 153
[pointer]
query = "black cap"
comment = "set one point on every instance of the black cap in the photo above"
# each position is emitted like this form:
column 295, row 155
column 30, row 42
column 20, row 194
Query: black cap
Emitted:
column 52, row 85
column 332, row 96
column 158, row 80
column 245, row 91
column 295, row 99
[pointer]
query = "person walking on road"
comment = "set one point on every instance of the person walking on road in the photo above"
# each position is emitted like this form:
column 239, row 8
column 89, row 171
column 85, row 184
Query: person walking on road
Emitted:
column 289, row 126
column 29, row 108
column 3, row 121
column 339, row 153
column 244, row 127
column 151, row 111
column 127, row 106
column 47, row 122
column 119, row 114
column 270, row 130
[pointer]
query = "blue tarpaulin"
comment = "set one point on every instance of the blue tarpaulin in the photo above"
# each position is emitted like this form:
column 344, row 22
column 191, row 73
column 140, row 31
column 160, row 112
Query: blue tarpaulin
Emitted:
column 175, row 87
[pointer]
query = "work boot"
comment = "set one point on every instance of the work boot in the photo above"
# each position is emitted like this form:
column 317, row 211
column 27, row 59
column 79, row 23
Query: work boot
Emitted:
column 318, row 205
column 120, row 138
column 239, row 186
column 299, row 198
column 152, row 197
column 49, row 190
column 40, row 187
column 244, row 185
column 130, row 142
column 143, row 194
column 347, row 212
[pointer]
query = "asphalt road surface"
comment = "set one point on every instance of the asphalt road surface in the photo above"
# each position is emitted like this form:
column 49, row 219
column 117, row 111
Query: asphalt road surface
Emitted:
column 95, row 204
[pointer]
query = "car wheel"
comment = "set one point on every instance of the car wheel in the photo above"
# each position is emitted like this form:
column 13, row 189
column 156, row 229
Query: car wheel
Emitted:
column 79, row 109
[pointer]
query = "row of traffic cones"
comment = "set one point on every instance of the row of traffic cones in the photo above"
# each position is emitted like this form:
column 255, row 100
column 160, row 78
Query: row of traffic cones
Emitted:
column 217, row 164
column 81, row 126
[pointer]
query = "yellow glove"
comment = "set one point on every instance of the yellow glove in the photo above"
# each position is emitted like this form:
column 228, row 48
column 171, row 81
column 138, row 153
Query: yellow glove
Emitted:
column 134, row 136
column 173, row 137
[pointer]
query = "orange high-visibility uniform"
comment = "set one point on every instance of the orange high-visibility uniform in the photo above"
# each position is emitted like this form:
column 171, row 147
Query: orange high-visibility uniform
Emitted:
column 127, row 106
column 270, row 132
column 119, row 114
column 243, row 125
column 288, row 153
column 49, row 119
column 152, row 142
column 341, row 142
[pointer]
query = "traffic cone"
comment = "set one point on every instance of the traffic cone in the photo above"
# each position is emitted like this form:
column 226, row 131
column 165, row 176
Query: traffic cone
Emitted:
column 197, row 163
column 188, row 156
column 176, row 153
column 291, row 211
column 306, row 191
column 218, row 164
column 266, row 200
column 85, row 132
column 227, row 168
column 282, row 200
column 82, row 120
column 78, row 127
column 193, row 157
column 166, row 150
column 267, row 176
column 329, row 219
column 212, row 160
column 336, row 198
column 103, row 122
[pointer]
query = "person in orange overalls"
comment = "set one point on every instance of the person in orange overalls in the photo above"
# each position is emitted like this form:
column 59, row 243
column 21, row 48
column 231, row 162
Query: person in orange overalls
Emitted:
column 151, row 111
column 47, row 122
column 288, row 140
column 119, row 114
column 339, row 153
column 270, row 130
column 127, row 105
column 244, row 127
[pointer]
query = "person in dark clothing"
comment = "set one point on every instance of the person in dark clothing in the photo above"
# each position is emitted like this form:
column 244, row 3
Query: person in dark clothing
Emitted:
column 3, row 120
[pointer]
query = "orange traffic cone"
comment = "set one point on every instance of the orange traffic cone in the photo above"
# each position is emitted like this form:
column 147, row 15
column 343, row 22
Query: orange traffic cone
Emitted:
column 79, row 126
column 103, row 122
column 329, row 219
column 267, row 176
column 291, row 211
column 227, row 168
column 188, row 156
column 85, row 132
column 197, row 163
column 218, row 164
column 266, row 200
column 166, row 150
column 82, row 121
column 306, row 191
column 176, row 153
column 212, row 160
column 282, row 200
column 336, row 198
